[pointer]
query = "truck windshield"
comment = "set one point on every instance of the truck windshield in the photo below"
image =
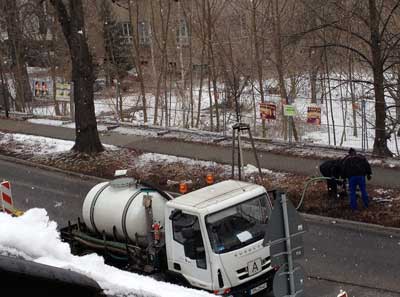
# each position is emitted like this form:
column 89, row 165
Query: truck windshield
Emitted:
column 239, row 225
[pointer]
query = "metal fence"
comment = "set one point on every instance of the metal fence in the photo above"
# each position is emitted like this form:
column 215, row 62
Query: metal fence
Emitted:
column 343, row 122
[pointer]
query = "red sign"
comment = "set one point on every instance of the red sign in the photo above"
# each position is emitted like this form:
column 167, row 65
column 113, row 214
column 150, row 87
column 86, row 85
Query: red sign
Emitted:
column 268, row 110
column 314, row 115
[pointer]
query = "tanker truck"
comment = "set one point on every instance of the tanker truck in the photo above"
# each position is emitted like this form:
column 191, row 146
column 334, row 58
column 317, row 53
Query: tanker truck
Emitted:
column 210, row 239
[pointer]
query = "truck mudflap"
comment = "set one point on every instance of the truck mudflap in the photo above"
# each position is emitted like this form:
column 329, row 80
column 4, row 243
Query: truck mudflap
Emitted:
column 259, row 284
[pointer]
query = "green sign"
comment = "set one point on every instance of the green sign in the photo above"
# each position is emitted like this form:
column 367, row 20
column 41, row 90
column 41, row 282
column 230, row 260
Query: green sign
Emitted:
column 63, row 91
column 289, row 110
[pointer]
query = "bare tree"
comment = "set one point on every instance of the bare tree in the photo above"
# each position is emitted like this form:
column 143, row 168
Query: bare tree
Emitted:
column 373, row 44
column 17, row 51
column 134, row 13
column 70, row 14
column 258, row 55
column 276, row 10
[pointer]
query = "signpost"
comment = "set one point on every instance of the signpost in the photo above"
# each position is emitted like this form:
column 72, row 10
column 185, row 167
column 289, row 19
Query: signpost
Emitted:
column 284, row 236
column 289, row 110
column 281, row 283
column 64, row 93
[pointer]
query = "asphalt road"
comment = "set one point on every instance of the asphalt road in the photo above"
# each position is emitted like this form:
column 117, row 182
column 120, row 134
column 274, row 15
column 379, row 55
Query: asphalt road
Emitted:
column 364, row 262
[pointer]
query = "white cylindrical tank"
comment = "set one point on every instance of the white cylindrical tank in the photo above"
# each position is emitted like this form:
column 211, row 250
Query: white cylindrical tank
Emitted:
column 119, row 203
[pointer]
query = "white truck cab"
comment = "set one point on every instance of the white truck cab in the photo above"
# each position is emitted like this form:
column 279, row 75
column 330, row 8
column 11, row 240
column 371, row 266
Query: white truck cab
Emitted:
column 214, row 238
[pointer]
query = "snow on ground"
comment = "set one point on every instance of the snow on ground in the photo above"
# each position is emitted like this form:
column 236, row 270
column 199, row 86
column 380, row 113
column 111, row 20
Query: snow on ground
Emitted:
column 47, row 122
column 59, row 123
column 338, row 113
column 199, row 136
column 146, row 158
column 133, row 131
column 39, row 145
column 213, row 137
column 34, row 237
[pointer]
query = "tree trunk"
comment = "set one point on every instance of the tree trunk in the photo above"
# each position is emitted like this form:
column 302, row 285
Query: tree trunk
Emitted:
column 133, row 22
column 313, row 83
column 352, row 95
column 380, row 141
column 213, row 71
column 397, row 101
column 18, row 65
column 200, row 86
column 73, row 26
column 327, row 70
column 155, row 76
column 211, row 108
column 280, row 66
column 258, row 61
column 314, row 61
column 52, row 62
column 162, row 75
column 191, row 73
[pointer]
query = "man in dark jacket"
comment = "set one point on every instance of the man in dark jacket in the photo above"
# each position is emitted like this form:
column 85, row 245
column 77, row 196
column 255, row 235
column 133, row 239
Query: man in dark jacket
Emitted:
column 355, row 168
column 332, row 169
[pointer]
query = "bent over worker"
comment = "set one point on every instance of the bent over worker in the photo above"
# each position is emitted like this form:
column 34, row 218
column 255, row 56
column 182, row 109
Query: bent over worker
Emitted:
column 332, row 169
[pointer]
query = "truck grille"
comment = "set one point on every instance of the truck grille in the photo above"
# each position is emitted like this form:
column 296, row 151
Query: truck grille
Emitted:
column 242, row 273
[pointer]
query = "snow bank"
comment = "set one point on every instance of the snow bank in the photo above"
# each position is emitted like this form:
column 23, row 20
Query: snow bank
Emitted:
column 37, row 144
column 146, row 158
column 34, row 237
column 59, row 123
column 46, row 122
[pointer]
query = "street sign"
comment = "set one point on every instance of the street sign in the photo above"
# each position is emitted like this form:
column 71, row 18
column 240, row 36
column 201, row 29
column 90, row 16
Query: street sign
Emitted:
column 281, row 283
column 279, row 253
column 276, row 228
column 284, row 236
column 289, row 110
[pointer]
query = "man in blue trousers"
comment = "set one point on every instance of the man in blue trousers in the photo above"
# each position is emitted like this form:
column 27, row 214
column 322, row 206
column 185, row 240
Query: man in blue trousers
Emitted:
column 355, row 167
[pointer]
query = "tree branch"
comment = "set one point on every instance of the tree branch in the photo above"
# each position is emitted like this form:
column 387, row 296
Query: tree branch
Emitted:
column 389, row 17
column 350, row 32
column 346, row 47
column 63, row 17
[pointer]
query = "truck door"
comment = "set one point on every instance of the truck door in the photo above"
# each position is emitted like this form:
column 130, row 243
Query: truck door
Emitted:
column 188, row 252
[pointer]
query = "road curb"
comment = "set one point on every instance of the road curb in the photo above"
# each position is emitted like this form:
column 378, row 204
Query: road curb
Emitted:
column 50, row 168
column 353, row 225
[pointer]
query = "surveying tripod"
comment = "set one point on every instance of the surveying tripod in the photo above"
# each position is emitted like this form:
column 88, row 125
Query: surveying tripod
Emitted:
column 236, row 133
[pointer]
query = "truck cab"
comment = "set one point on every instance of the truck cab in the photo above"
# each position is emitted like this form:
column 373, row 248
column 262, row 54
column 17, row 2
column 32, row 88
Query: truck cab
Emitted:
column 214, row 238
